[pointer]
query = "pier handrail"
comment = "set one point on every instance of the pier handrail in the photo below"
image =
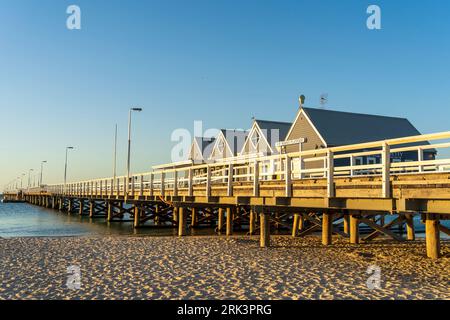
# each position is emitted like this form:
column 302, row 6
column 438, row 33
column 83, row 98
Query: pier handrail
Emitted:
column 326, row 163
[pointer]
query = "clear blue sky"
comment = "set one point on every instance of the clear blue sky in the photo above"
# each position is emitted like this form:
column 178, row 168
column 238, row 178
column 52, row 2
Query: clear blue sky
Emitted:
column 217, row 61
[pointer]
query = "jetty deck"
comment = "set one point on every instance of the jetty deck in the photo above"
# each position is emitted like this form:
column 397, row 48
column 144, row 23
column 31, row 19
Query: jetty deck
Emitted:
column 317, row 190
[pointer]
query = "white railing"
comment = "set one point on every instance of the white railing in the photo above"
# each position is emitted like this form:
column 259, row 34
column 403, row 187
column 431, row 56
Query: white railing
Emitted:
column 327, row 163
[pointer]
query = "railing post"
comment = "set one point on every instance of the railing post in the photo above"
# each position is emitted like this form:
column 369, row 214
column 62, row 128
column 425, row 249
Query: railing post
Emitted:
column 190, row 182
column 420, row 158
column 175, row 183
column 256, row 178
column 352, row 164
column 101, row 188
column 208, row 181
column 151, row 184
column 386, row 170
column 133, row 179
column 330, row 174
column 163, row 183
column 230, row 180
column 287, row 176
column 302, row 167
column 111, row 192
column 141, row 188
column 125, row 187
column 118, row 186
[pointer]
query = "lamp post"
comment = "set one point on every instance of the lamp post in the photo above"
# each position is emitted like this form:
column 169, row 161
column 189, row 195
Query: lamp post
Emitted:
column 115, row 155
column 29, row 178
column 65, row 167
column 42, row 169
column 129, row 144
column 21, row 180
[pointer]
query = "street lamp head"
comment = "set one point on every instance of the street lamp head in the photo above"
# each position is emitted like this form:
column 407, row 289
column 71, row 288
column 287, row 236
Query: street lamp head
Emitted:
column 45, row 161
column 69, row 147
column 136, row 109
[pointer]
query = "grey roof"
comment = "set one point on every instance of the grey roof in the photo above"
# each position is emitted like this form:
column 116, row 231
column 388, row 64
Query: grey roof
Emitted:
column 343, row 128
column 274, row 131
column 235, row 139
column 203, row 144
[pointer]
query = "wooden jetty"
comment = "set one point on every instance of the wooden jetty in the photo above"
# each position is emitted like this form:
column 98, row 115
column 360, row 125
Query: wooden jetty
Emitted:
column 332, row 196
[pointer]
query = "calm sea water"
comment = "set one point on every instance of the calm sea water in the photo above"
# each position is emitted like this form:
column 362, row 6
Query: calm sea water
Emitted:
column 24, row 220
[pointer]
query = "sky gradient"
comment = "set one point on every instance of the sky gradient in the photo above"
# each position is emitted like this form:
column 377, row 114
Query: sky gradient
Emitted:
column 221, row 62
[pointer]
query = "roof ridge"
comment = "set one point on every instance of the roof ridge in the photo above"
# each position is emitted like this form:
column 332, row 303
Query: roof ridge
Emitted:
column 284, row 122
column 357, row 113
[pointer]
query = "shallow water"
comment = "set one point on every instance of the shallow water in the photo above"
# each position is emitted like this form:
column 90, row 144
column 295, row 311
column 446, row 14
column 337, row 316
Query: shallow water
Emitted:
column 25, row 220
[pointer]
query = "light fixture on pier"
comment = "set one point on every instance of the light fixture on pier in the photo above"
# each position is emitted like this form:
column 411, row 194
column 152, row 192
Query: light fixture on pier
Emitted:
column 129, row 144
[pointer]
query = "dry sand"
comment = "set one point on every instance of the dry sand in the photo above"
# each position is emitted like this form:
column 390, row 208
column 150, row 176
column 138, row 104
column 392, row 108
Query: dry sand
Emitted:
column 218, row 268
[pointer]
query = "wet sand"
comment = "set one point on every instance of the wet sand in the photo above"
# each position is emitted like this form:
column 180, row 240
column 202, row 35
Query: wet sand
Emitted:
column 205, row 267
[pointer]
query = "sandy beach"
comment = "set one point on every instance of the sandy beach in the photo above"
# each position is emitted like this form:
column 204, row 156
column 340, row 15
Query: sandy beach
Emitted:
column 212, row 267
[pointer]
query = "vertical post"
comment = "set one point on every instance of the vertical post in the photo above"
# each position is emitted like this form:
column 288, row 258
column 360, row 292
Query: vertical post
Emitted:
column 175, row 183
column 420, row 158
column 346, row 224
column 354, row 230
column 252, row 222
column 264, row 229
column 190, row 182
column 118, row 187
column 432, row 236
column 287, row 176
column 352, row 164
column 295, row 224
column 125, row 187
column 81, row 209
column 327, row 228
column 410, row 232
column 208, row 181
column 141, row 187
column 330, row 174
column 301, row 222
column 194, row 217
column 230, row 213
column 151, row 184
column 132, row 181
column 91, row 209
column 163, row 184
column 110, row 210
column 101, row 188
column 230, row 180
column 181, row 222
column 386, row 170
column 137, row 215
column 220, row 222
column 175, row 214
column 256, row 178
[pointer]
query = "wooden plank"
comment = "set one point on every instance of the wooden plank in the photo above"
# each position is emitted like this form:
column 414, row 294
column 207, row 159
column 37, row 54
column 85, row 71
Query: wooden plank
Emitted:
column 381, row 229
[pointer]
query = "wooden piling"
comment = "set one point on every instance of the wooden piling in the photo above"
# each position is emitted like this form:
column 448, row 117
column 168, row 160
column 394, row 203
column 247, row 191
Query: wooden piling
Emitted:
column 301, row 222
column 91, row 209
column 175, row 214
column 230, row 212
column 70, row 206
column 327, row 228
column 252, row 222
column 432, row 236
column 181, row 222
column 220, row 220
column 354, row 229
column 81, row 209
column 346, row 224
column 110, row 211
column 264, row 229
column 194, row 217
column 295, row 224
column 410, row 232
column 137, row 216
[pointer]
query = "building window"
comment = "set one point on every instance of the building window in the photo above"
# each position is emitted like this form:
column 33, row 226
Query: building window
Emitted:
column 371, row 160
column 358, row 161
